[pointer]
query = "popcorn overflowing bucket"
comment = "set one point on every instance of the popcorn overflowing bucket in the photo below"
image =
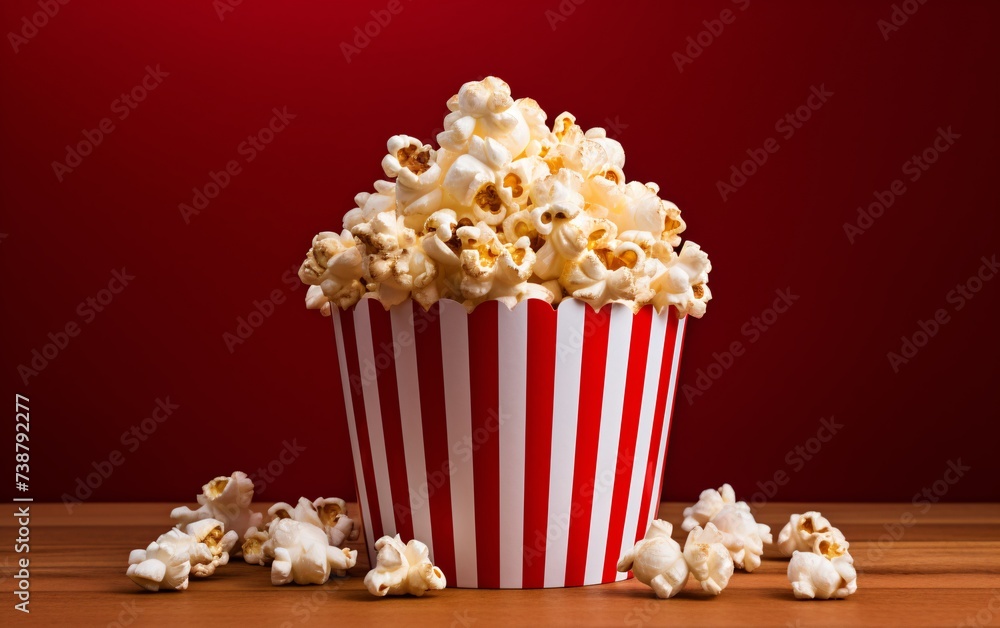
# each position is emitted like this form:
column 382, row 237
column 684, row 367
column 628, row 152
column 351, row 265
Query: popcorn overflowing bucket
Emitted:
column 525, row 446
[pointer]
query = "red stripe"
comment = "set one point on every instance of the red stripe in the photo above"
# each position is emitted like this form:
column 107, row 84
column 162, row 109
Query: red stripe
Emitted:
column 392, row 426
column 670, row 422
column 427, row 331
column 541, row 376
column 485, row 383
column 654, row 443
column 360, row 420
column 635, row 377
column 588, row 431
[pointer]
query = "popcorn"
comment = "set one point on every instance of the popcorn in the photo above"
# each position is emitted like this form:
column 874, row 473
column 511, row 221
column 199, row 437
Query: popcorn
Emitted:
column 297, row 552
column 327, row 514
column 709, row 559
column 822, row 577
column 168, row 561
column 741, row 534
column 226, row 499
column 508, row 209
column 739, row 529
column 164, row 565
column 710, row 502
column 657, row 561
column 805, row 532
column 403, row 569
column 210, row 547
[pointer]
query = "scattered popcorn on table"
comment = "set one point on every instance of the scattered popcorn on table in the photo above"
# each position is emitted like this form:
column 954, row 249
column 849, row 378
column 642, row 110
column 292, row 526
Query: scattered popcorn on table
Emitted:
column 710, row 502
column 710, row 561
column 226, row 499
column 508, row 209
column 823, row 576
column 403, row 569
column 297, row 552
column 168, row 561
column 804, row 532
column 657, row 561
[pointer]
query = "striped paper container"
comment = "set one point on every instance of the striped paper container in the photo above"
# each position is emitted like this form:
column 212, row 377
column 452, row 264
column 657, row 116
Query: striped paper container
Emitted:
column 524, row 446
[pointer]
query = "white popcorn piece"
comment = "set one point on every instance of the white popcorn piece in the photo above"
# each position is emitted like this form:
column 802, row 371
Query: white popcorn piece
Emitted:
column 403, row 569
column 739, row 529
column 417, row 173
column 333, row 269
column 210, row 547
column 804, row 532
column 818, row 577
column 657, row 561
column 197, row 550
column 709, row 559
column 606, row 275
column 164, row 565
column 226, row 499
column 710, row 502
column 683, row 281
column 484, row 108
column 297, row 552
column 501, row 166
column 327, row 513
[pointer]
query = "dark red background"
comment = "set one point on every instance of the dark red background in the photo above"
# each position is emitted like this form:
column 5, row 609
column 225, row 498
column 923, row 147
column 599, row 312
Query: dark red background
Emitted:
column 163, row 335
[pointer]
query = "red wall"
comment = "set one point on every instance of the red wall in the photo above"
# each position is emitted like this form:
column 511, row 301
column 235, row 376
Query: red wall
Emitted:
column 610, row 63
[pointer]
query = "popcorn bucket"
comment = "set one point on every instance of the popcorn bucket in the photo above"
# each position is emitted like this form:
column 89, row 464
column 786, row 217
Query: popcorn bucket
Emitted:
column 524, row 446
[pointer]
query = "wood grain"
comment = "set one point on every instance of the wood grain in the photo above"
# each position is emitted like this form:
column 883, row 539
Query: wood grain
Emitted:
column 942, row 570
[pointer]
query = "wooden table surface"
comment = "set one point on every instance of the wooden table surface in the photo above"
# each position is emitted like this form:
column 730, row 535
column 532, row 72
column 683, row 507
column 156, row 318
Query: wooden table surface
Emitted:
column 941, row 570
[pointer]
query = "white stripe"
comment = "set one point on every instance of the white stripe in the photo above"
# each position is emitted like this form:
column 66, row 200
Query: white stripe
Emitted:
column 373, row 410
column 512, row 340
column 667, row 412
column 613, row 401
column 345, row 378
column 566, row 399
column 654, row 358
column 458, row 407
column 409, row 414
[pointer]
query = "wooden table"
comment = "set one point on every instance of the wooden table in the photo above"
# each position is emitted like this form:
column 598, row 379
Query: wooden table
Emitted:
column 942, row 570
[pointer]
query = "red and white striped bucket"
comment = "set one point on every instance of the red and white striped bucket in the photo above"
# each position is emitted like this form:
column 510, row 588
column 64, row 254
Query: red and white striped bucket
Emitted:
column 524, row 446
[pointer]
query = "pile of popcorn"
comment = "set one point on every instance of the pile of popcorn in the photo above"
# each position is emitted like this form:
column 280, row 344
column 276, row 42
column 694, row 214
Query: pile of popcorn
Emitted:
column 300, row 543
column 723, row 536
column 508, row 209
